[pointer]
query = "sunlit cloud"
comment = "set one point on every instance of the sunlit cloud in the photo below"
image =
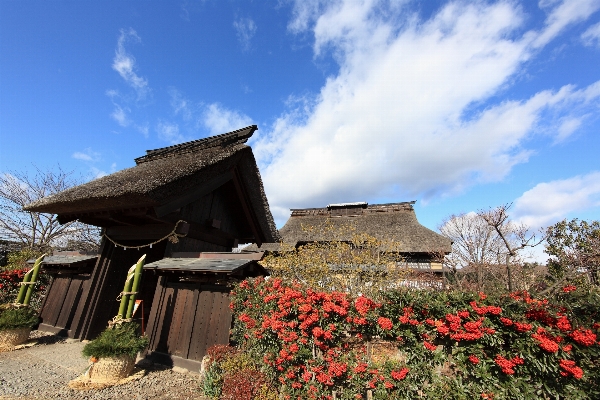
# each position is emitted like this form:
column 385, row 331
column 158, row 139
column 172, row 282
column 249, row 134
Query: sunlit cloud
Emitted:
column 124, row 63
column 591, row 37
column 549, row 202
column 169, row 132
column 87, row 155
column 119, row 114
column 245, row 29
column 409, row 113
column 219, row 119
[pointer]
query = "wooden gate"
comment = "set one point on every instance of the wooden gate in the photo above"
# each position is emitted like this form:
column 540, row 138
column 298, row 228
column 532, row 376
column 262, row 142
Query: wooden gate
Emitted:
column 186, row 319
column 60, row 303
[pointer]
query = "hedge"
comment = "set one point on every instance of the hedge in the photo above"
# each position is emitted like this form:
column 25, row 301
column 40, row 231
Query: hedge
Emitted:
column 419, row 343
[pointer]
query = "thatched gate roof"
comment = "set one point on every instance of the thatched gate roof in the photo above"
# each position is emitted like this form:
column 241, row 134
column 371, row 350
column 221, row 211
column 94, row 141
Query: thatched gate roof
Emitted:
column 165, row 177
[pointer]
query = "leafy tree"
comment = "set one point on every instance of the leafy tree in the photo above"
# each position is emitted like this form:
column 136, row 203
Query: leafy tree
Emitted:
column 34, row 230
column 574, row 249
column 350, row 262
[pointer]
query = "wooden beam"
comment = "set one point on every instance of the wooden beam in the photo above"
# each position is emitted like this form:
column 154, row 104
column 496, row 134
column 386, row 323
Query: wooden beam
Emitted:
column 193, row 195
column 144, row 232
column 157, row 231
column 246, row 207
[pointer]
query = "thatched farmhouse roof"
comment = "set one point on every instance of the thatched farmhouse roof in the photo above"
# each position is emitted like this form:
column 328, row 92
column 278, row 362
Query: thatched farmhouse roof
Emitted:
column 387, row 222
column 164, row 179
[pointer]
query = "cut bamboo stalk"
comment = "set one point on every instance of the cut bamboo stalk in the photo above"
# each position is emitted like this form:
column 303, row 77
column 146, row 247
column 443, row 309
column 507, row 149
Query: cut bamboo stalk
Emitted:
column 33, row 280
column 137, row 277
column 24, row 285
column 126, row 289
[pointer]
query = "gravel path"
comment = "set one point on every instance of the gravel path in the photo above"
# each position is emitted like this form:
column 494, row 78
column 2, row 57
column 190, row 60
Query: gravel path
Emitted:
column 44, row 370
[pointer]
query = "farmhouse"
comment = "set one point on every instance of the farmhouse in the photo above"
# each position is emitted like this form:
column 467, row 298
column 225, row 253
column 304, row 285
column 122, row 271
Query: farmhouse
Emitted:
column 419, row 248
column 187, row 205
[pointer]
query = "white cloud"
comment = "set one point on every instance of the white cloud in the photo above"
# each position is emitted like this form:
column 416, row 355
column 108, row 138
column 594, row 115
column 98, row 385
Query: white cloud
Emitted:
column 169, row 132
column 245, row 29
column 549, row 202
column 219, row 119
column 562, row 15
column 591, row 36
column 180, row 104
column 87, row 155
column 143, row 129
column 406, row 115
column 119, row 114
column 124, row 63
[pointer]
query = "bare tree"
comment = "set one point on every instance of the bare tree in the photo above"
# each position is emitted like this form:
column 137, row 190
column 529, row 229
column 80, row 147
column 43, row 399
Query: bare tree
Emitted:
column 34, row 230
column 515, row 237
column 475, row 244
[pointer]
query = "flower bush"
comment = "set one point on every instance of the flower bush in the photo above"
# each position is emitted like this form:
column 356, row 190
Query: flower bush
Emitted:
column 233, row 375
column 9, row 286
column 446, row 344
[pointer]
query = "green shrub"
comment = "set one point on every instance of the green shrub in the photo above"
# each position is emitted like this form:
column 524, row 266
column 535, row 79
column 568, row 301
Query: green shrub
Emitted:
column 120, row 340
column 439, row 344
column 14, row 318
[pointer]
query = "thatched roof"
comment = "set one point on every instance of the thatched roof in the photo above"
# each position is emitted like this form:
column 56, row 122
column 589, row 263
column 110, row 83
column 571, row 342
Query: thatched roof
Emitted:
column 387, row 222
column 168, row 173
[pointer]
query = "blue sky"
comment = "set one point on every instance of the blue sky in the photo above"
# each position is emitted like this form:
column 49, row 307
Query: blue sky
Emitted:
column 460, row 105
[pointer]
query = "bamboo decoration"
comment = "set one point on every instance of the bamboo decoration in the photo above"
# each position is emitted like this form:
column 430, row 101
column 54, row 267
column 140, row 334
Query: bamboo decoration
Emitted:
column 137, row 277
column 126, row 289
column 27, row 285
column 24, row 286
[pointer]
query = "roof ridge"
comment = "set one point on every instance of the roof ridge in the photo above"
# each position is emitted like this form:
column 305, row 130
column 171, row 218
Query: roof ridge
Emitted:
column 234, row 137
column 366, row 208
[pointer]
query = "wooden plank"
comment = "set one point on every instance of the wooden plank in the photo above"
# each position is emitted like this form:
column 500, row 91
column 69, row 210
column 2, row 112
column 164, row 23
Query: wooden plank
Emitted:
column 182, row 341
column 47, row 306
column 198, row 344
column 177, row 319
column 61, row 288
column 81, row 319
column 165, row 322
column 69, row 304
column 223, row 319
column 213, row 317
column 186, row 340
column 155, row 317
column 46, row 296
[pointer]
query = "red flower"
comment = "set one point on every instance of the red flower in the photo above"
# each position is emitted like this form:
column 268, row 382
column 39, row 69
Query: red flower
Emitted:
column 506, row 365
column 546, row 343
column 584, row 336
column 429, row 346
column 474, row 359
column 569, row 288
column 385, row 323
column 360, row 368
column 399, row 375
column 563, row 324
column 570, row 368
column 522, row 327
